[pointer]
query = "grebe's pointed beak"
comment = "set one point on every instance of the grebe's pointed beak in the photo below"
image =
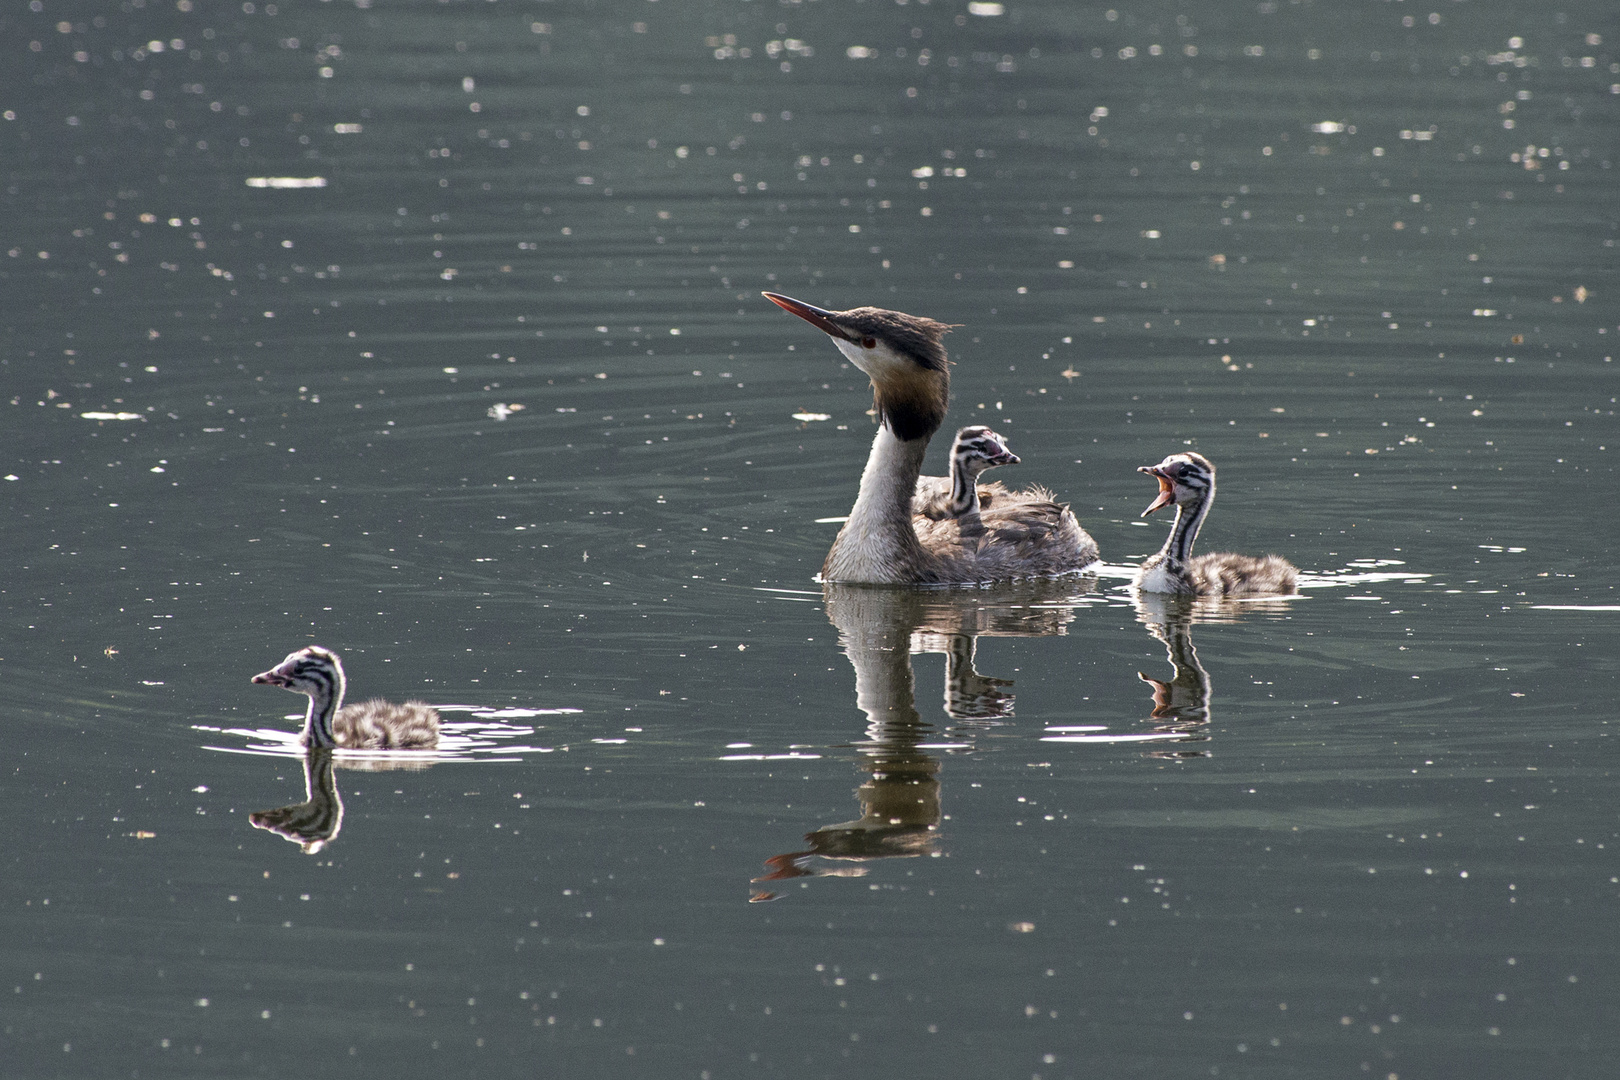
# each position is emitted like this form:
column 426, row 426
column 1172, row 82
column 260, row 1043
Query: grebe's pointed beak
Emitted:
column 820, row 318
column 1167, row 490
column 273, row 677
column 1006, row 457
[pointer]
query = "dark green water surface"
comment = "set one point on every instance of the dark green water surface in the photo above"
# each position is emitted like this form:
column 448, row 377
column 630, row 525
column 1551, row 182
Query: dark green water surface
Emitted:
column 488, row 401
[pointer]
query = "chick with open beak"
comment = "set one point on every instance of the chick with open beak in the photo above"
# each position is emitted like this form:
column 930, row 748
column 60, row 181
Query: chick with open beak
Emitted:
column 1188, row 481
column 1167, row 487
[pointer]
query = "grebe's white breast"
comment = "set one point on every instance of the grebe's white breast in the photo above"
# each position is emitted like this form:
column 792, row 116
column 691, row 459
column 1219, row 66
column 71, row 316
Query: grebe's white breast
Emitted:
column 1157, row 579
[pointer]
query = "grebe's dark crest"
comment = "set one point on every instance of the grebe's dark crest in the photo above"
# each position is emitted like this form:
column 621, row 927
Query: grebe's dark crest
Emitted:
column 1026, row 535
column 1188, row 481
column 371, row 725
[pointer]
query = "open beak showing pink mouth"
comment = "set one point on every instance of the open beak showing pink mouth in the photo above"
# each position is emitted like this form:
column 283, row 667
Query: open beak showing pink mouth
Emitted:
column 820, row 318
column 1167, row 490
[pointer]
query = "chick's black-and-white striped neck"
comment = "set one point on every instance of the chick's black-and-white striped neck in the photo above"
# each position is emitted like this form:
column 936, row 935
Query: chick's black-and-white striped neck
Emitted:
column 975, row 450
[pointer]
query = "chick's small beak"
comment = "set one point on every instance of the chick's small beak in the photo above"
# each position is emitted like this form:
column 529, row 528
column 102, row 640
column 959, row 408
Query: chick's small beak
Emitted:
column 270, row 678
column 1007, row 458
column 1167, row 490
column 820, row 318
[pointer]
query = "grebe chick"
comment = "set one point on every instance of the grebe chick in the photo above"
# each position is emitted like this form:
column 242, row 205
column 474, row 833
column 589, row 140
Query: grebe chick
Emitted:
column 1188, row 480
column 975, row 450
column 370, row 725
column 882, row 543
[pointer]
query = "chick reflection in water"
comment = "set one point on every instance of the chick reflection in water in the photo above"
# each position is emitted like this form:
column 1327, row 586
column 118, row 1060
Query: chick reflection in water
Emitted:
column 879, row 629
column 1181, row 705
column 313, row 823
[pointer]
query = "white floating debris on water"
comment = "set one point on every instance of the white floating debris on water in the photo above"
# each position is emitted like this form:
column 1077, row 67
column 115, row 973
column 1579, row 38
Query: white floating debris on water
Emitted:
column 1328, row 127
column 807, row 417
column 986, row 10
column 286, row 181
column 112, row 416
column 832, row 520
column 348, row 129
column 501, row 412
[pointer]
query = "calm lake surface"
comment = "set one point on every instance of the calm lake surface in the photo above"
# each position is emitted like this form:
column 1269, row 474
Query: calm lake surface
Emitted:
column 431, row 332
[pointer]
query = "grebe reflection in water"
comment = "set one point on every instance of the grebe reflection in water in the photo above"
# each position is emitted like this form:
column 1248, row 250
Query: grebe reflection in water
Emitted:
column 879, row 629
column 1181, row 704
column 315, row 822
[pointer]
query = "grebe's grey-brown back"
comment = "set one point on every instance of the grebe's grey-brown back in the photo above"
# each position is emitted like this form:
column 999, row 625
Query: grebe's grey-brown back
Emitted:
column 371, row 725
column 1188, row 481
column 883, row 543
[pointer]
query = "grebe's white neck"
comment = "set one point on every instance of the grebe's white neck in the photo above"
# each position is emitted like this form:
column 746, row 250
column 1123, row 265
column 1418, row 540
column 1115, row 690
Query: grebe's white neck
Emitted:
column 878, row 544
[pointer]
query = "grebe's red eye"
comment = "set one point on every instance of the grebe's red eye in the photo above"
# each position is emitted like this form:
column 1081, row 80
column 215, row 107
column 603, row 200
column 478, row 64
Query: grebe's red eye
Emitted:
column 868, row 343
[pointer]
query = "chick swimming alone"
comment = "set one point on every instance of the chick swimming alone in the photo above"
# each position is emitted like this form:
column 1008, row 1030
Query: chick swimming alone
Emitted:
column 1188, row 481
column 317, row 673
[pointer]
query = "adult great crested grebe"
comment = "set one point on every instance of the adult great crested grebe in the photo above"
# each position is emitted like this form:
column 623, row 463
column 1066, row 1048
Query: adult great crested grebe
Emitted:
column 1188, row 481
column 370, row 725
column 882, row 543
